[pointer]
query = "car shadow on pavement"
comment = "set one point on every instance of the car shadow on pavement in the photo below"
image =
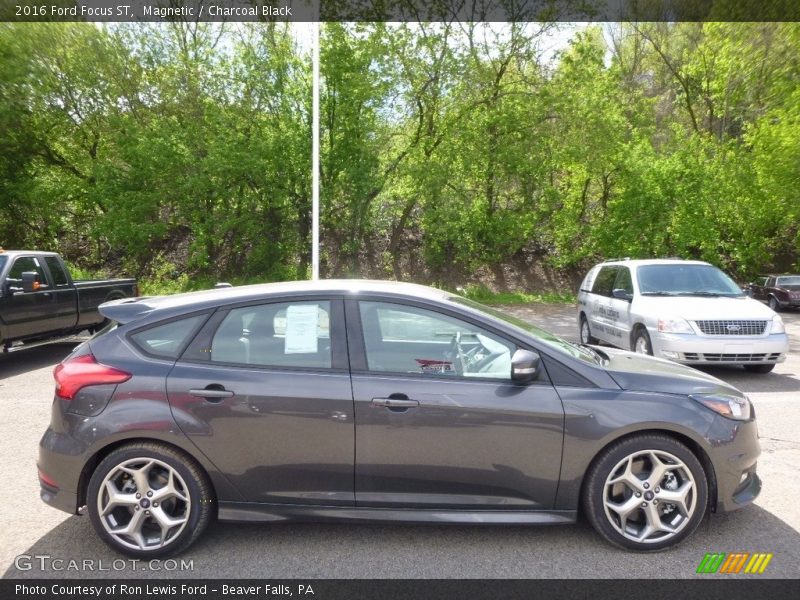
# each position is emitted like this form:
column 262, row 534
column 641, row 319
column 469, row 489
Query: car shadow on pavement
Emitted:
column 22, row 361
column 308, row 550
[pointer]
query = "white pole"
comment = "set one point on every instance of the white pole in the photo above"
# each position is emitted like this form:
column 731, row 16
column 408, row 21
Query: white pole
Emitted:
column 315, row 157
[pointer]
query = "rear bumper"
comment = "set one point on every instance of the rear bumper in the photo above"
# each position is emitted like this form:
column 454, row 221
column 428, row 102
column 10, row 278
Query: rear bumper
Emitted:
column 61, row 458
column 720, row 350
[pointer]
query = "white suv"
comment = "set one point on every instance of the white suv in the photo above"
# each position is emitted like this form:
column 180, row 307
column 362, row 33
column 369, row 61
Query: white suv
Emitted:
column 683, row 310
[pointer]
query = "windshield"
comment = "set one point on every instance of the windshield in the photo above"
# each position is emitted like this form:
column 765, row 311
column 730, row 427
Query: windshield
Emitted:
column 685, row 280
column 553, row 341
column 792, row 280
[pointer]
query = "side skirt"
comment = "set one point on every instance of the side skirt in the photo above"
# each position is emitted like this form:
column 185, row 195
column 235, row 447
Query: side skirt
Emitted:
column 256, row 512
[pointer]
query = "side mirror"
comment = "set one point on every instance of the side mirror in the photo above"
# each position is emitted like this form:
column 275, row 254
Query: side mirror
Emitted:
column 30, row 281
column 622, row 294
column 524, row 366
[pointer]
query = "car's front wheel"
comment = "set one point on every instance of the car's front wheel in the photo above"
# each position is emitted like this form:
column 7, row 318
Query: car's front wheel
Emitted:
column 149, row 500
column 586, row 333
column 646, row 492
column 641, row 342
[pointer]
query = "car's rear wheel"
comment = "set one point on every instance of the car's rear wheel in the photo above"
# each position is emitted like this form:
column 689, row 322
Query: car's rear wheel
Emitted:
column 647, row 492
column 774, row 304
column 641, row 342
column 586, row 333
column 149, row 500
column 759, row 368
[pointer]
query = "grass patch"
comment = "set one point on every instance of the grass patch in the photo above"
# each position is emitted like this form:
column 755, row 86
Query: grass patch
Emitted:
column 485, row 296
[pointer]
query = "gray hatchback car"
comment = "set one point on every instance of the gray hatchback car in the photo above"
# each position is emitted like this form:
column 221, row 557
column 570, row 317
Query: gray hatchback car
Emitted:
column 360, row 400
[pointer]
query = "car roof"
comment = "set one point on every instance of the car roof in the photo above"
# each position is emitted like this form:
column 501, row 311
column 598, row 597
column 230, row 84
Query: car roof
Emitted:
column 129, row 309
column 638, row 262
column 15, row 253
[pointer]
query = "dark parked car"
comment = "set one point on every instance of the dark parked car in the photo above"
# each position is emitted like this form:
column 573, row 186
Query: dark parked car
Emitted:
column 39, row 299
column 359, row 400
column 779, row 291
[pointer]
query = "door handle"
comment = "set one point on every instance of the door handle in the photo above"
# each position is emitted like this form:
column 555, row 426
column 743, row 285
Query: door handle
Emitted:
column 212, row 393
column 395, row 402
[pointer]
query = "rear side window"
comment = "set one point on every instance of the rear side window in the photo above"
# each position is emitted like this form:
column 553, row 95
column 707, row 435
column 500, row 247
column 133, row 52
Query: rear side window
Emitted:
column 285, row 334
column 586, row 284
column 168, row 339
column 56, row 270
column 604, row 283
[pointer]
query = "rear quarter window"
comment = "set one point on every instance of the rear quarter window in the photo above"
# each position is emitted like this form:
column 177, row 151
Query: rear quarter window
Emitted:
column 167, row 340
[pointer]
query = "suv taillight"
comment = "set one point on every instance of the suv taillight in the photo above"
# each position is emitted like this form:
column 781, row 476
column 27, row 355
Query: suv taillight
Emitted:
column 82, row 371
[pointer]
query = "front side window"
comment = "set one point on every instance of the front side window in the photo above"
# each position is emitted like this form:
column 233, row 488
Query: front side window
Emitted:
column 24, row 264
column 407, row 339
column 285, row 334
column 168, row 339
column 604, row 283
column 624, row 281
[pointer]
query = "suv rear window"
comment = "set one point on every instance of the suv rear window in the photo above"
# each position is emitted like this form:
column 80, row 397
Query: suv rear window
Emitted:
column 167, row 340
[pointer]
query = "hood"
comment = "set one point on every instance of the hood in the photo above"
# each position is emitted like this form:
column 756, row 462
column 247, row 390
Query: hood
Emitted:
column 638, row 372
column 694, row 308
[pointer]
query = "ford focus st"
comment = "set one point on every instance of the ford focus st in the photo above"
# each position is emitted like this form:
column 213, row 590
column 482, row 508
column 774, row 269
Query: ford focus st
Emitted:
column 361, row 400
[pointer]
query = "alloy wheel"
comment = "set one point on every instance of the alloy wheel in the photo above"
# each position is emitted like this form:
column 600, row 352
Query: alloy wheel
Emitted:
column 143, row 503
column 650, row 496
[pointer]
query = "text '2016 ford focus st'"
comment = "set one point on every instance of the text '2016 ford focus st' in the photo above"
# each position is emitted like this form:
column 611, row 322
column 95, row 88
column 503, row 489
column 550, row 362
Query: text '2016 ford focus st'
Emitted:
column 357, row 400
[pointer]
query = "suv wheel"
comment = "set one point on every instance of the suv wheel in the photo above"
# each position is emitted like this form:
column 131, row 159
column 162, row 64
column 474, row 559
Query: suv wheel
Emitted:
column 641, row 342
column 149, row 500
column 586, row 333
column 646, row 492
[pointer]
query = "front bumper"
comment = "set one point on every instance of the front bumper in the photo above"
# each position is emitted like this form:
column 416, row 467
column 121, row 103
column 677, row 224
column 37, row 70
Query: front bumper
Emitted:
column 734, row 456
column 720, row 350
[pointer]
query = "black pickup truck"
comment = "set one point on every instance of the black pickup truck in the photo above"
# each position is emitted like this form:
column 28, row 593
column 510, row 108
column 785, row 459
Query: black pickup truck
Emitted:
column 40, row 300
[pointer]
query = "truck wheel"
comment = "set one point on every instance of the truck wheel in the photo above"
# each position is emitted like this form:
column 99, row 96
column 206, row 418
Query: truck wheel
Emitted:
column 758, row 368
column 586, row 333
column 149, row 500
column 646, row 492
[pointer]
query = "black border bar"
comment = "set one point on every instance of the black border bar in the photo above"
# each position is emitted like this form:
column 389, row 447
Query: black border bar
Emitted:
column 400, row 10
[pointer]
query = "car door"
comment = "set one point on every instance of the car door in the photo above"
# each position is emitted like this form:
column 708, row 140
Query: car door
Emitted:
column 618, row 311
column 264, row 392
column 433, row 434
column 65, row 307
column 28, row 314
column 602, row 319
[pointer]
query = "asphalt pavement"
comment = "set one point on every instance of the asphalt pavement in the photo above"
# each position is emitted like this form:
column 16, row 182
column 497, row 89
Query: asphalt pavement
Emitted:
column 38, row 541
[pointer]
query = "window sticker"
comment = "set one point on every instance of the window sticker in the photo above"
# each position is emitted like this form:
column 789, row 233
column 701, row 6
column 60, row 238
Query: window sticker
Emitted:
column 302, row 321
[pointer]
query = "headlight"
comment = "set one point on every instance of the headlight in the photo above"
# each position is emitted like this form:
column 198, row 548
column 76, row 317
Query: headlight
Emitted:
column 733, row 407
column 674, row 326
column 777, row 325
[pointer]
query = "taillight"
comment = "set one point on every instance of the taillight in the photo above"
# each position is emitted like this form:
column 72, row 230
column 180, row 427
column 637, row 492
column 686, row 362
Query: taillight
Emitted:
column 82, row 371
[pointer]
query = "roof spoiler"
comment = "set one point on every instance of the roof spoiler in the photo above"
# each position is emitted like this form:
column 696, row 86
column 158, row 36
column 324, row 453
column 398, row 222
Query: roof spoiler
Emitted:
column 125, row 310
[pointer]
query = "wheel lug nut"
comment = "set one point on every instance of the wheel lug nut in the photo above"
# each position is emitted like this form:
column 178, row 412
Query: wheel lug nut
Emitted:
column 655, row 501
column 644, row 504
column 646, row 486
column 138, row 495
column 658, row 490
column 136, row 507
column 147, row 512
column 149, row 494
column 638, row 494
column 155, row 504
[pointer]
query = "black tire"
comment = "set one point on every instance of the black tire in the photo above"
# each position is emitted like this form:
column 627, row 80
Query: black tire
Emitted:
column 194, row 483
column 774, row 304
column 585, row 333
column 607, row 463
column 763, row 369
column 640, row 335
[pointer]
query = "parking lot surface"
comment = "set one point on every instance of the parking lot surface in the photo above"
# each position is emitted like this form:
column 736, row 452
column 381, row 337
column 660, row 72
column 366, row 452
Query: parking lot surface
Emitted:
column 38, row 541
